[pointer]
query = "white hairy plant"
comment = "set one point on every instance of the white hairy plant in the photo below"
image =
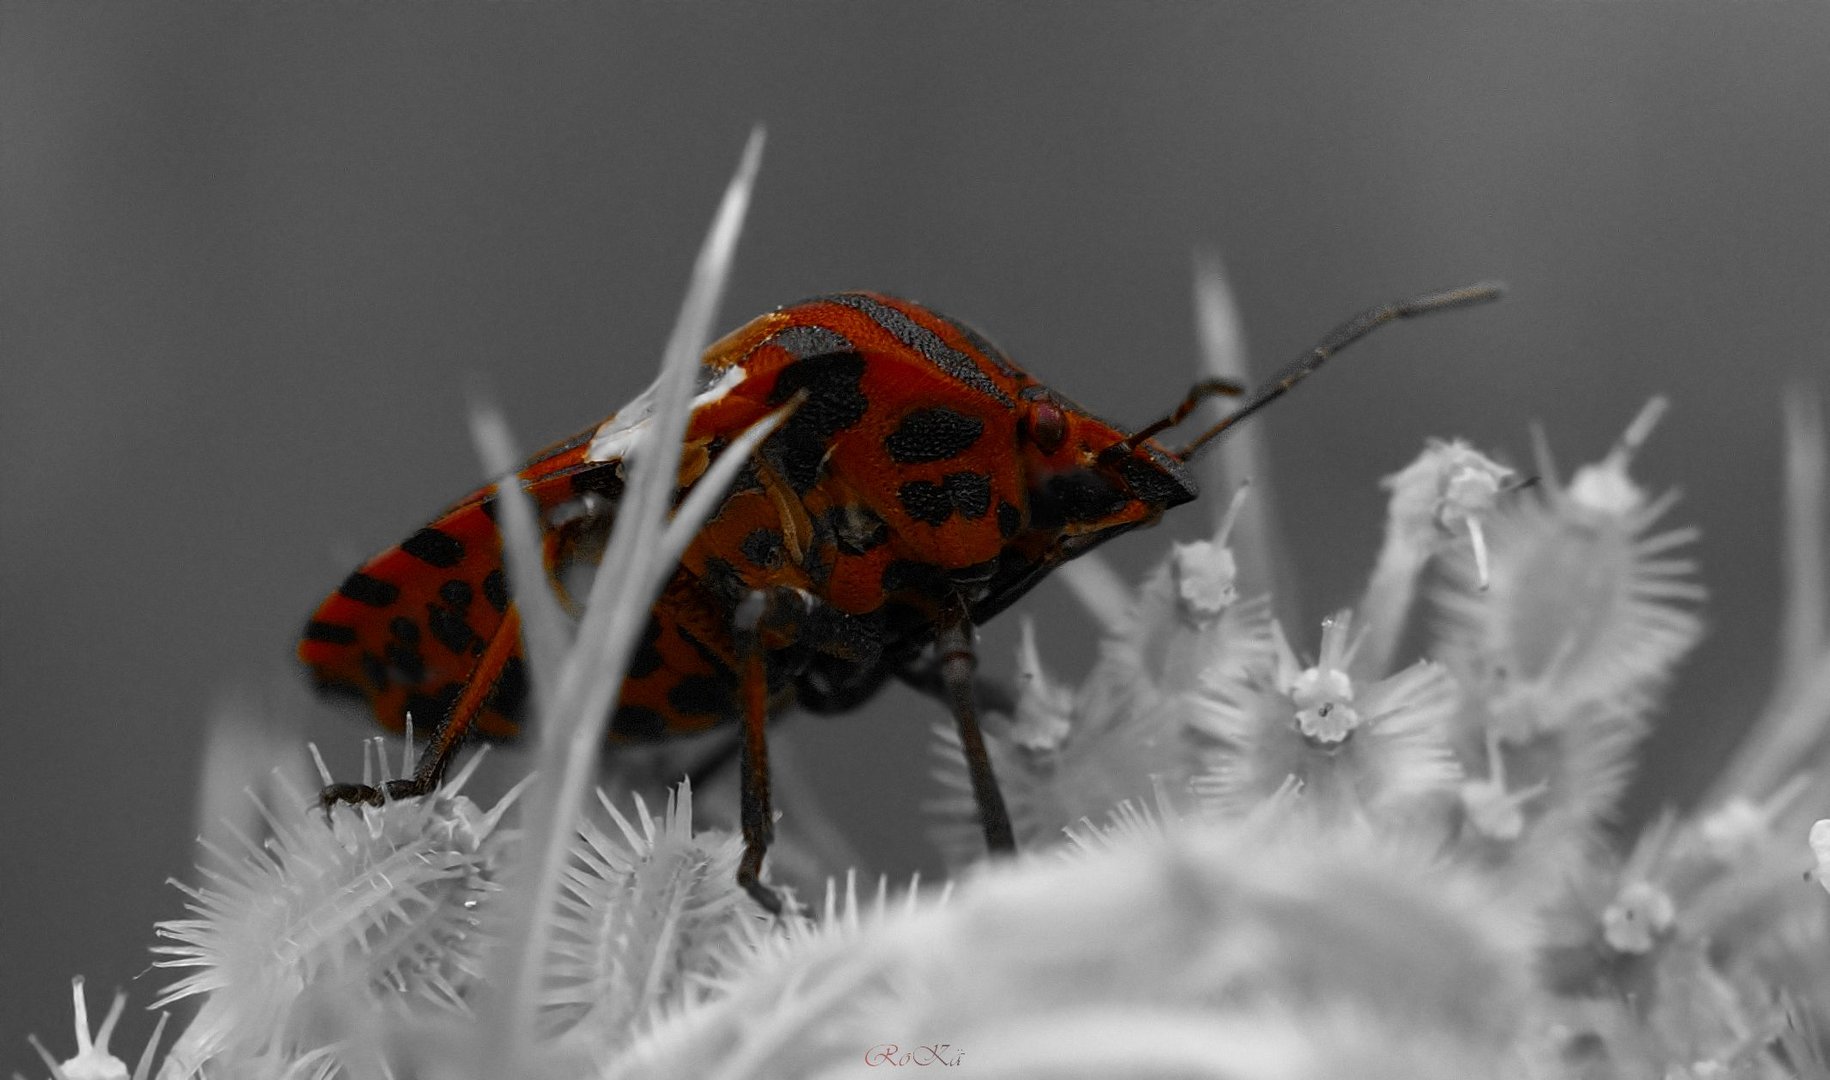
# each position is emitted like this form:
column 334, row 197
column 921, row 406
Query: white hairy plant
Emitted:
column 1250, row 850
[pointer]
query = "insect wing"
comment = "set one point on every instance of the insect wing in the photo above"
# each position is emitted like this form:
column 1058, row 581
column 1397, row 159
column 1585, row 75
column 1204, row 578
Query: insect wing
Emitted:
column 405, row 630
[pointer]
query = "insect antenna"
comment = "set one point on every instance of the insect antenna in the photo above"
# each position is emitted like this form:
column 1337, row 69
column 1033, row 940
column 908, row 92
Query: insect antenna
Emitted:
column 1200, row 392
column 1337, row 339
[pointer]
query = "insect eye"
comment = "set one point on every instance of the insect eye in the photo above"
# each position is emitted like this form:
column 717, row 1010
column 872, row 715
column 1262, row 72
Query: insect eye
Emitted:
column 1047, row 426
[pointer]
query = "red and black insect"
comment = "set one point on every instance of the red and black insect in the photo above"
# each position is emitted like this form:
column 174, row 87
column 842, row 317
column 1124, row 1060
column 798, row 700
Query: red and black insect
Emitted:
column 923, row 484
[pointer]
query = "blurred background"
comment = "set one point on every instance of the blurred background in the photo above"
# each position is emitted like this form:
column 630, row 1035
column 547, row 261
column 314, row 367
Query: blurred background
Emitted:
column 253, row 256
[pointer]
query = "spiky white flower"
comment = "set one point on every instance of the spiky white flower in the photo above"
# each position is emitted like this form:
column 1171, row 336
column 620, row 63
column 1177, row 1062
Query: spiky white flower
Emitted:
column 1820, row 850
column 1206, row 576
column 1043, row 706
column 1449, row 489
column 1257, row 958
column 1448, row 492
column 647, row 913
column 1559, row 660
column 1586, row 615
column 1740, row 826
column 1639, row 915
column 1074, row 753
column 381, row 902
column 93, row 1061
column 1354, row 747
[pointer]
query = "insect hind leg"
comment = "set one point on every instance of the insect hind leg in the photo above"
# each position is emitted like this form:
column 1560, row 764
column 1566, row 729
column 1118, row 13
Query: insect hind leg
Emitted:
column 451, row 731
column 758, row 816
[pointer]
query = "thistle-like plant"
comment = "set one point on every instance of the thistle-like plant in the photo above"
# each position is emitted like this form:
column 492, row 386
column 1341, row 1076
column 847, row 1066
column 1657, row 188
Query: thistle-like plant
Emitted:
column 1249, row 851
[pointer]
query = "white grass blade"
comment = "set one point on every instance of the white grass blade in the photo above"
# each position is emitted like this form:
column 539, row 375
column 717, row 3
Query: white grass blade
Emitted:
column 1802, row 638
column 544, row 629
column 592, row 674
column 1791, row 729
column 711, row 488
column 1246, row 458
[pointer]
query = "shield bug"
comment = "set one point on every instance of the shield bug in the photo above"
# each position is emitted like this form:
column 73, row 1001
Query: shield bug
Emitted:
column 923, row 483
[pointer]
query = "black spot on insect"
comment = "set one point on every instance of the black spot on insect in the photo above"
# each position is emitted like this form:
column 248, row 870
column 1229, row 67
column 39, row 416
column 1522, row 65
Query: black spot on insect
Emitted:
column 638, row 724
column 926, row 342
column 450, row 630
column 372, row 591
column 426, row 710
column 404, row 629
column 495, row 589
column 970, row 493
column 932, row 434
column 434, row 547
column 511, row 687
column 1159, row 482
column 1078, row 495
column 330, row 633
column 456, row 592
column 834, row 402
column 763, row 547
column 909, row 574
column 723, row 580
column 805, row 340
column 407, row 661
column 375, row 670
column 856, row 528
column 702, row 695
column 488, row 506
column 1010, row 519
column 647, row 659
column 925, row 500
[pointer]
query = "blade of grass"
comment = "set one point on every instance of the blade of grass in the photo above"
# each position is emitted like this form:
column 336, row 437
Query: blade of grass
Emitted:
column 1790, row 733
column 591, row 673
column 1256, row 539
column 1801, row 641
column 544, row 629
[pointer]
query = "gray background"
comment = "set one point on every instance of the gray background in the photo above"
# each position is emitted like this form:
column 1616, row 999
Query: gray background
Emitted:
column 252, row 255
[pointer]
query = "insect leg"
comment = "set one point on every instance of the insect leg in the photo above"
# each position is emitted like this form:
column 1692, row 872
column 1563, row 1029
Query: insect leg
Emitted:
column 923, row 677
column 758, row 816
column 957, row 661
column 452, row 727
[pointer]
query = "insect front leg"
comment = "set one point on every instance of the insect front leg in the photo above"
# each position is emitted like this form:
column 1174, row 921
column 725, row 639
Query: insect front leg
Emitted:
column 957, row 662
column 451, row 729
